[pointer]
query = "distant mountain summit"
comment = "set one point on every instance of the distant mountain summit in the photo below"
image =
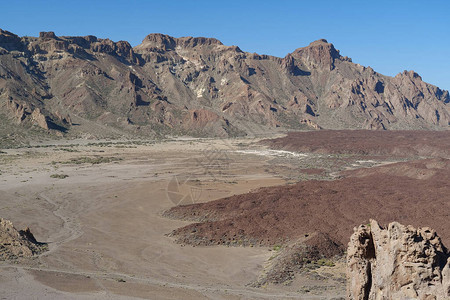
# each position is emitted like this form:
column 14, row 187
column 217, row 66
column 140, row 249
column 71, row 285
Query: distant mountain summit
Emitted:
column 198, row 86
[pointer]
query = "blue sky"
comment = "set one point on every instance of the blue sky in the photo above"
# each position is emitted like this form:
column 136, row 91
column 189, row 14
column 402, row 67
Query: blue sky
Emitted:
column 390, row 36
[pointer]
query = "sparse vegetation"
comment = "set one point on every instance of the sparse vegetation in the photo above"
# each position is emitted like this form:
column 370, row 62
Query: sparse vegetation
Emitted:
column 59, row 176
column 91, row 160
column 276, row 247
column 68, row 150
column 325, row 262
column 231, row 182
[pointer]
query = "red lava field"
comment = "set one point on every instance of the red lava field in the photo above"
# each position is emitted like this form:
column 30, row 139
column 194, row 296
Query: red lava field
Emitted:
column 414, row 192
column 393, row 143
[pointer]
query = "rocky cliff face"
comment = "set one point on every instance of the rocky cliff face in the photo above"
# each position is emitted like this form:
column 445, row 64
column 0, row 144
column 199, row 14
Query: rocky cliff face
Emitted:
column 199, row 86
column 17, row 243
column 399, row 262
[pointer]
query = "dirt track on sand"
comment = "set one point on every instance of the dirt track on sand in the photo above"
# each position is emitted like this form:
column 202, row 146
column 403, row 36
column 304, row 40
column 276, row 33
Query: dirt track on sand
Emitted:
column 105, row 232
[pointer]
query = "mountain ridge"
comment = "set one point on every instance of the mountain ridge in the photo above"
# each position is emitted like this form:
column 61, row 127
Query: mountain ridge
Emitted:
column 198, row 86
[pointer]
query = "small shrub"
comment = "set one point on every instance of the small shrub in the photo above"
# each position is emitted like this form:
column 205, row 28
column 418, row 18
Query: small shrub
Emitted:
column 59, row 176
column 68, row 150
column 325, row 262
column 91, row 160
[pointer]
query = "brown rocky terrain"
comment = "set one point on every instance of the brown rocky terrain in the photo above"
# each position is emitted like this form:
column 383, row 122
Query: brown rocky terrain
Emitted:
column 17, row 243
column 312, row 220
column 80, row 196
column 101, row 216
column 305, row 254
column 397, row 262
column 388, row 143
column 79, row 85
column 410, row 192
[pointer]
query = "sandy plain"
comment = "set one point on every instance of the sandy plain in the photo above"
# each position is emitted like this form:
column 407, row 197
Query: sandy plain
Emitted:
column 103, row 222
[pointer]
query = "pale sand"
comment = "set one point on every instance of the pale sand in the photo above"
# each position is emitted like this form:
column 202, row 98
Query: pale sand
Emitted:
column 106, row 236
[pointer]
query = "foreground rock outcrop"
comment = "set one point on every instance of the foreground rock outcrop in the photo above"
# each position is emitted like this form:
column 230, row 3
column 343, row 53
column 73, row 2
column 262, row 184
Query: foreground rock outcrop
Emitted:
column 17, row 243
column 399, row 262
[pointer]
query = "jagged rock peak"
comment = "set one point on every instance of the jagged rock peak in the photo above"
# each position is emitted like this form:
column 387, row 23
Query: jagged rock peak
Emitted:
column 82, row 41
column 159, row 40
column 7, row 33
column 168, row 42
column 319, row 54
column 47, row 35
column 327, row 47
column 10, row 41
column 319, row 41
column 397, row 262
column 197, row 41
column 411, row 74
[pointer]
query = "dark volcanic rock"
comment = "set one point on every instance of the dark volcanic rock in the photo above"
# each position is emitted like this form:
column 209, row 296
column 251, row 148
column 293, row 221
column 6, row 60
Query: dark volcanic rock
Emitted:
column 390, row 143
column 411, row 192
column 310, row 251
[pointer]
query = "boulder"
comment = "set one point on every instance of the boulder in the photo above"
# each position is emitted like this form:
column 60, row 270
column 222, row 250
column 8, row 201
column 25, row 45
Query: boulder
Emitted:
column 39, row 119
column 17, row 243
column 397, row 262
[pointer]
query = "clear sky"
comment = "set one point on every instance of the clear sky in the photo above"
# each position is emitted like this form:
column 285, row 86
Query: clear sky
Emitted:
column 390, row 36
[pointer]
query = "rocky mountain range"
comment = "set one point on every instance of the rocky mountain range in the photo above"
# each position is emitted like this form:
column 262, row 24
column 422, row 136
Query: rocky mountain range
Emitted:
column 198, row 86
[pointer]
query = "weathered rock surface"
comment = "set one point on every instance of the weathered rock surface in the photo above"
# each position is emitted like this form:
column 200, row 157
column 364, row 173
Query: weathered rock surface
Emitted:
column 306, row 253
column 17, row 243
column 159, row 86
column 399, row 262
